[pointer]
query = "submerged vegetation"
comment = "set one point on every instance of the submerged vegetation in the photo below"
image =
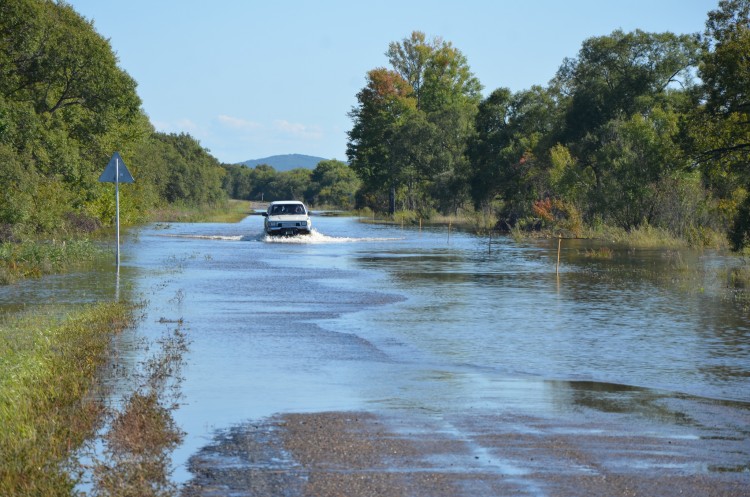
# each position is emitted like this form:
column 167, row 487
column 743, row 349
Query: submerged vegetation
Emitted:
column 52, row 367
column 140, row 436
column 34, row 259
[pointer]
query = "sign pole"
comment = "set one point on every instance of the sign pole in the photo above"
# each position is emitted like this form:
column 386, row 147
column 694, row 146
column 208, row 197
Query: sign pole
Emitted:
column 117, row 209
column 116, row 172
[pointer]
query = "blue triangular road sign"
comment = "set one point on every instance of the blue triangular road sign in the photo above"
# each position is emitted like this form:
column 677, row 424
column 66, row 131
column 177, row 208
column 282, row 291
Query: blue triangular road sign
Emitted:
column 116, row 164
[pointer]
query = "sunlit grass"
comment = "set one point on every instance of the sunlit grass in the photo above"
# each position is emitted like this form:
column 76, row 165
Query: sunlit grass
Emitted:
column 600, row 253
column 48, row 368
column 231, row 211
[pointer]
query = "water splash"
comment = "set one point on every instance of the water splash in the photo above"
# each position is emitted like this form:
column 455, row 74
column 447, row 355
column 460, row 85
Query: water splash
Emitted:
column 191, row 236
column 314, row 238
column 318, row 238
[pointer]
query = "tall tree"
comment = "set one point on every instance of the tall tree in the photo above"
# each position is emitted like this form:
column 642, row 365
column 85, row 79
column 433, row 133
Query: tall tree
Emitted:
column 383, row 104
column 615, row 78
column 721, row 130
column 412, row 124
column 437, row 72
column 620, row 74
column 507, row 153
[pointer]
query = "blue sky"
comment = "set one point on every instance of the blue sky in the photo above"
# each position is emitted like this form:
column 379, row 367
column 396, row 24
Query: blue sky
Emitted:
column 251, row 79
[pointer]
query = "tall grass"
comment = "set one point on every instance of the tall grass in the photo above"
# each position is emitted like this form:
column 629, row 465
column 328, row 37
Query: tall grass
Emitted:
column 48, row 406
column 32, row 259
column 231, row 211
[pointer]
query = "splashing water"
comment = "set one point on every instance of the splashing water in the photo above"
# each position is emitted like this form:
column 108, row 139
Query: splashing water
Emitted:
column 314, row 238
column 317, row 238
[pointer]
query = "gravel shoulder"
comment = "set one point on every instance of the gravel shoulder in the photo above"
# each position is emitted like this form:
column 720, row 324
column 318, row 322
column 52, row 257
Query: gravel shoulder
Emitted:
column 367, row 454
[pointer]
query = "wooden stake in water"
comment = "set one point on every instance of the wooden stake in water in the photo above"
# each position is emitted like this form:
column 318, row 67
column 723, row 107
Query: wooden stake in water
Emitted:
column 559, row 243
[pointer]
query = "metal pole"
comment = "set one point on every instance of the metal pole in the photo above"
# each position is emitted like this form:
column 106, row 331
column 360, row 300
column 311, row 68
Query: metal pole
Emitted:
column 117, row 210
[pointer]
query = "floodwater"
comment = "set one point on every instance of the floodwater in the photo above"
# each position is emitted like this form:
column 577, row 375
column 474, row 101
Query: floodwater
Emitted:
column 430, row 323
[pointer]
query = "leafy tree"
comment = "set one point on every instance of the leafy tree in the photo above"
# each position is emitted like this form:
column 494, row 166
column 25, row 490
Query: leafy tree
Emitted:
column 720, row 129
column 620, row 98
column 237, row 182
column 437, row 72
column 618, row 75
column 641, row 152
column 334, row 183
column 412, row 124
column 507, row 153
column 262, row 178
column 291, row 185
column 383, row 105
column 64, row 104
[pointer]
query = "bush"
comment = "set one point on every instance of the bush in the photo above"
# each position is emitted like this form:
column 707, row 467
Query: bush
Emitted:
column 558, row 215
column 739, row 234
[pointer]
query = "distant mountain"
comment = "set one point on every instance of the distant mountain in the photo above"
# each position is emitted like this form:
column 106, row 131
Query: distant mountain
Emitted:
column 286, row 162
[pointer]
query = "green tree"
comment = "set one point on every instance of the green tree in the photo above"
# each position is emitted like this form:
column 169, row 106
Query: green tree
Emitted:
column 720, row 129
column 237, row 181
column 437, row 72
column 64, row 106
column 291, row 185
column 412, row 124
column 334, row 184
column 508, row 153
column 619, row 86
column 620, row 74
column 383, row 105
column 262, row 178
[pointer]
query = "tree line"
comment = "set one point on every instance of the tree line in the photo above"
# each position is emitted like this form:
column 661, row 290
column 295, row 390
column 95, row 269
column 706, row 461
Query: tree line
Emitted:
column 639, row 128
column 65, row 107
column 332, row 184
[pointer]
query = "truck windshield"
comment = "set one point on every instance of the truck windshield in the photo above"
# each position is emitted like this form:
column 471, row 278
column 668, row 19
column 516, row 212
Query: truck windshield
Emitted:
column 278, row 210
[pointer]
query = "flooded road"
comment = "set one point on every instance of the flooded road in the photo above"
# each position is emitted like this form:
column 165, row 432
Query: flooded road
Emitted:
column 452, row 338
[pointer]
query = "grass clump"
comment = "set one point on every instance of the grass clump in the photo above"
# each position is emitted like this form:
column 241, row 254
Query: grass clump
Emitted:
column 32, row 259
column 738, row 284
column 600, row 253
column 48, row 369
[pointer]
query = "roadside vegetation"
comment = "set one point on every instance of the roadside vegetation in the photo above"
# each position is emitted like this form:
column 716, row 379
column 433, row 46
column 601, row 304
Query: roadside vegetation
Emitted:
column 30, row 259
column 663, row 141
column 139, row 437
column 230, row 211
column 641, row 132
column 49, row 393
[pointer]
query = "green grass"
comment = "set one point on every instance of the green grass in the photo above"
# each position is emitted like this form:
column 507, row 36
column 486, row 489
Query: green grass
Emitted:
column 48, row 406
column 231, row 211
column 32, row 259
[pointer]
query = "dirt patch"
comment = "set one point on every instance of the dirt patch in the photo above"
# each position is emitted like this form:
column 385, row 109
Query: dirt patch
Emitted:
column 362, row 454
